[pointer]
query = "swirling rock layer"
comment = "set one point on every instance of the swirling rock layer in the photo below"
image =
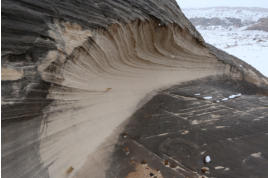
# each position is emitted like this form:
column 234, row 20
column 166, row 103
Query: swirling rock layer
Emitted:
column 73, row 72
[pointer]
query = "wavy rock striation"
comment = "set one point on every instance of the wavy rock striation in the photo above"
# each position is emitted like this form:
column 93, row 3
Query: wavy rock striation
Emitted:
column 73, row 72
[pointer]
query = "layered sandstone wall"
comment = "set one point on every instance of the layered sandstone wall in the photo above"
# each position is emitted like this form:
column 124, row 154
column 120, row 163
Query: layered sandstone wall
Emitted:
column 74, row 71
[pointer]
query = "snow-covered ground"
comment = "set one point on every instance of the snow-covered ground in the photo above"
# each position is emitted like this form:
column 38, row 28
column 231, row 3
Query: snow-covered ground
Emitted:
column 245, row 14
column 250, row 46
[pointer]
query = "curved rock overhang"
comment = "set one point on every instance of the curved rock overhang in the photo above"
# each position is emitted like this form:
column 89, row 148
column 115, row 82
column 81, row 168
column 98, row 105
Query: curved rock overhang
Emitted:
column 73, row 72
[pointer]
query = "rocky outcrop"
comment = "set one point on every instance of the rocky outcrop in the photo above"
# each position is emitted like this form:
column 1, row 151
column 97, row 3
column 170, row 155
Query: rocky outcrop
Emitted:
column 73, row 72
column 261, row 25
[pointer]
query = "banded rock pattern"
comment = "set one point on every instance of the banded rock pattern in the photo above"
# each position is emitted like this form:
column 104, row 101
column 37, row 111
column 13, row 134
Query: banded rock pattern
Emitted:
column 73, row 72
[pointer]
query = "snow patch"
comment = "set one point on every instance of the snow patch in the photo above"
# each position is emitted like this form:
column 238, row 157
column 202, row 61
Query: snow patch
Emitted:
column 208, row 97
column 235, row 96
column 256, row 155
column 220, row 127
column 195, row 122
column 218, row 167
column 207, row 159
column 227, row 169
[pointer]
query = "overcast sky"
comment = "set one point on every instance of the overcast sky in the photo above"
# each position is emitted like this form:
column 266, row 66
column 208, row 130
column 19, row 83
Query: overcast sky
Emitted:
column 230, row 3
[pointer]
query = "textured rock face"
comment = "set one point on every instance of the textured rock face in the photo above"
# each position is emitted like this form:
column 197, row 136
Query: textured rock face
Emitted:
column 177, row 129
column 73, row 72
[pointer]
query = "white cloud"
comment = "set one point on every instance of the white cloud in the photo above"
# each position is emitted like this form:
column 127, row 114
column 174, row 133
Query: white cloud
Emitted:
column 228, row 3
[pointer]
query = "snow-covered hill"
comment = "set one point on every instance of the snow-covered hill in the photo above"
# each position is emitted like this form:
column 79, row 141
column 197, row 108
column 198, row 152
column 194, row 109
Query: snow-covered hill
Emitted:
column 233, row 35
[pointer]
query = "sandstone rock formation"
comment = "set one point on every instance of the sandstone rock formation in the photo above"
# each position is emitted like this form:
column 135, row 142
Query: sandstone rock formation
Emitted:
column 85, row 94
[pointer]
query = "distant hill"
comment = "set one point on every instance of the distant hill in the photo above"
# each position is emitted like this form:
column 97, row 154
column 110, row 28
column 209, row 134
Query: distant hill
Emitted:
column 262, row 25
column 226, row 17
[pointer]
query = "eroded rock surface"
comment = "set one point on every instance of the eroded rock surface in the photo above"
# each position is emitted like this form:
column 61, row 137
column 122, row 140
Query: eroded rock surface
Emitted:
column 181, row 126
column 73, row 72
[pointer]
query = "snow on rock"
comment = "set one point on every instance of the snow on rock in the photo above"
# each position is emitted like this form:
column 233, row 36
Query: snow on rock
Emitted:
column 256, row 155
column 227, row 169
column 218, row 167
column 207, row 159
column 207, row 97
column 220, row 127
column 235, row 96
column 195, row 122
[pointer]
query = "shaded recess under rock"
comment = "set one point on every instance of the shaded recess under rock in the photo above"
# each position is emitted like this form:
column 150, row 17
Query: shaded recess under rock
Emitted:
column 74, row 72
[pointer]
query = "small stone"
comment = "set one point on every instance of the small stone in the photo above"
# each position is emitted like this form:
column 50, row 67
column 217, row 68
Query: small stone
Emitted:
column 143, row 162
column 205, row 169
column 108, row 89
column 132, row 162
column 166, row 162
column 69, row 170
column 126, row 150
column 124, row 135
column 185, row 132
